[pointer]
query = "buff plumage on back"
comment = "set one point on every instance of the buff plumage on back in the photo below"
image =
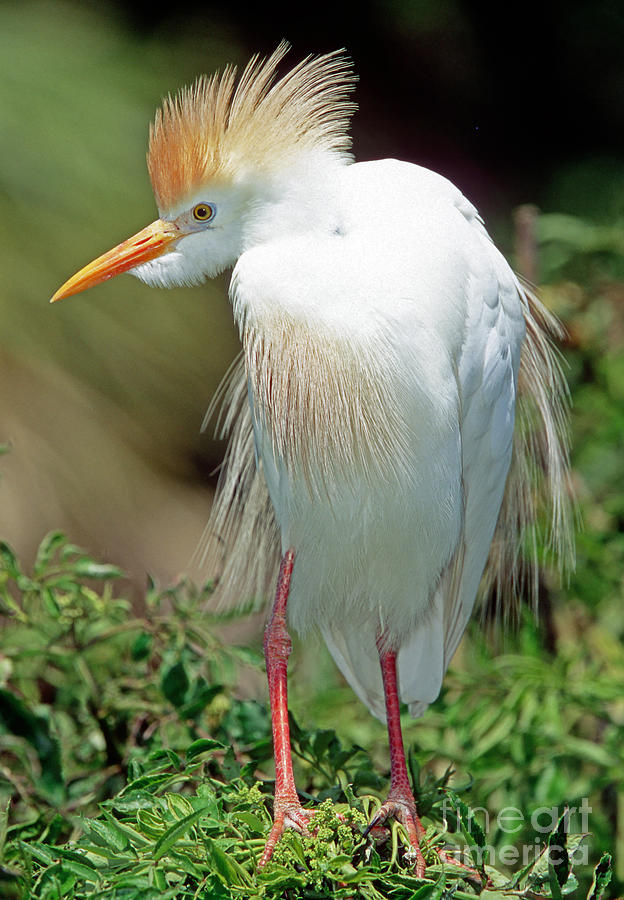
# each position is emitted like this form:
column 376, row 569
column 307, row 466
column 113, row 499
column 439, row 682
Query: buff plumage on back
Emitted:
column 220, row 129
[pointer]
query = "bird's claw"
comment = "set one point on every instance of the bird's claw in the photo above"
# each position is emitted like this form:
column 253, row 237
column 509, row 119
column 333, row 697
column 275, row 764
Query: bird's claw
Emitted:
column 414, row 855
column 292, row 816
column 374, row 823
column 298, row 819
column 405, row 812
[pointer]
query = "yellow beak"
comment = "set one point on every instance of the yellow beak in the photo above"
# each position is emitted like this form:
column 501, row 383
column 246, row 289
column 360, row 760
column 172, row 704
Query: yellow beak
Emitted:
column 143, row 246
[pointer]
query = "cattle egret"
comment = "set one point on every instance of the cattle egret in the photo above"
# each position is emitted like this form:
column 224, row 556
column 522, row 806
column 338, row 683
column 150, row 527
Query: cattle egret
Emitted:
column 387, row 350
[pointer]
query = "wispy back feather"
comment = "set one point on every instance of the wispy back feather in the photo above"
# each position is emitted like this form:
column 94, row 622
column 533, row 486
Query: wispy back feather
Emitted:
column 241, row 543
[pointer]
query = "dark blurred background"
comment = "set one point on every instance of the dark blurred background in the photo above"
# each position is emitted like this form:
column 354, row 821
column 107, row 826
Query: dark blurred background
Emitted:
column 102, row 396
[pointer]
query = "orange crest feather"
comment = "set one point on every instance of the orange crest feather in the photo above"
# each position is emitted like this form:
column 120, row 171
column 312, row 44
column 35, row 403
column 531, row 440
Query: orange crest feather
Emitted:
column 217, row 128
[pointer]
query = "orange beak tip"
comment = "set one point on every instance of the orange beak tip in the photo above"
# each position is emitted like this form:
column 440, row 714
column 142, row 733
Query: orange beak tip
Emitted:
column 142, row 247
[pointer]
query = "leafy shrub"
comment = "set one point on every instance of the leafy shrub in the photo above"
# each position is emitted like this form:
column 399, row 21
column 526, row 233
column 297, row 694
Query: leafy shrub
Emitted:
column 131, row 770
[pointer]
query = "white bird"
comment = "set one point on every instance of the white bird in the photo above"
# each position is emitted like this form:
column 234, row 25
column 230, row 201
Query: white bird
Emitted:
column 387, row 348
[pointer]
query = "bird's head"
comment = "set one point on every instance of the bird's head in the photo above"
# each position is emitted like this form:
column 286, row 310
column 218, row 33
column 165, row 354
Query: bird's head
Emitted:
column 228, row 159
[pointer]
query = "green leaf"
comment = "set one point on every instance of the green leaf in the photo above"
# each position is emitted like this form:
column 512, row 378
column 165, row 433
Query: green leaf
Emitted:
column 230, row 871
column 601, row 879
column 8, row 560
column 174, row 759
column 179, row 806
column 4, row 821
column 430, row 891
column 133, row 836
column 201, row 695
column 321, row 741
column 50, row 604
column 47, row 548
column 134, row 794
column 203, row 745
column 141, row 646
column 252, row 821
column 40, row 852
column 216, row 890
column 558, row 859
column 175, row 832
column 106, row 834
column 62, row 879
column 231, row 766
column 88, row 568
column 17, row 719
column 78, row 864
column 471, row 830
column 175, row 683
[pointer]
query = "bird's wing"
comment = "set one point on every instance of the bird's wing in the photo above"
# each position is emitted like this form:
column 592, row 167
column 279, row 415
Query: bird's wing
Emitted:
column 492, row 383
column 487, row 377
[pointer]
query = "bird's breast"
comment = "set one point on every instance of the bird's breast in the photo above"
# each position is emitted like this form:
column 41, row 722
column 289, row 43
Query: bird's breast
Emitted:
column 350, row 369
column 366, row 491
column 355, row 414
column 325, row 405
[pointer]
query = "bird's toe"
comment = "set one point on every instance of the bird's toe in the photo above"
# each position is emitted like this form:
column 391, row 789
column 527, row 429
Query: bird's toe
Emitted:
column 404, row 811
column 292, row 816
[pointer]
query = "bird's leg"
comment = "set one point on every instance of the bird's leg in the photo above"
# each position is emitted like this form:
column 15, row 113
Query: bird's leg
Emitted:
column 287, row 811
column 400, row 803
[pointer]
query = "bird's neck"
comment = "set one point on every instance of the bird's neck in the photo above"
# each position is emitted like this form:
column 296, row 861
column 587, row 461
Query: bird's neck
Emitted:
column 300, row 198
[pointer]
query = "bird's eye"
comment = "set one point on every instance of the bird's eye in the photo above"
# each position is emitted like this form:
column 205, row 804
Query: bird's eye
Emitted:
column 203, row 212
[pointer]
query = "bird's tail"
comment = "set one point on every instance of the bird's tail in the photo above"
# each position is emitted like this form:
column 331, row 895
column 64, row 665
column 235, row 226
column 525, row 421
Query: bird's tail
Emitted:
column 538, row 507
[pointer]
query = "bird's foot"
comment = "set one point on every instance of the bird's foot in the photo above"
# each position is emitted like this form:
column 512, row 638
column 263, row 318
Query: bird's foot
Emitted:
column 291, row 815
column 404, row 811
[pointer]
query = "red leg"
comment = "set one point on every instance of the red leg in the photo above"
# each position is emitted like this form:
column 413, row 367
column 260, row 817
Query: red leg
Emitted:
column 400, row 803
column 287, row 812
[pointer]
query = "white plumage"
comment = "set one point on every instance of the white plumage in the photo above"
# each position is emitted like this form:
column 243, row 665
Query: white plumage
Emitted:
column 402, row 421
column 387, row 345
column 392, row 299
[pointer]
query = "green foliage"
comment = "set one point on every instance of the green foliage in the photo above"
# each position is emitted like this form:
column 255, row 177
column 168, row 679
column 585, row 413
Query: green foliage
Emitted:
column 177, row 832
column 534, row 730
column 578, row 249
column 84, row 684
column 132, row 771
